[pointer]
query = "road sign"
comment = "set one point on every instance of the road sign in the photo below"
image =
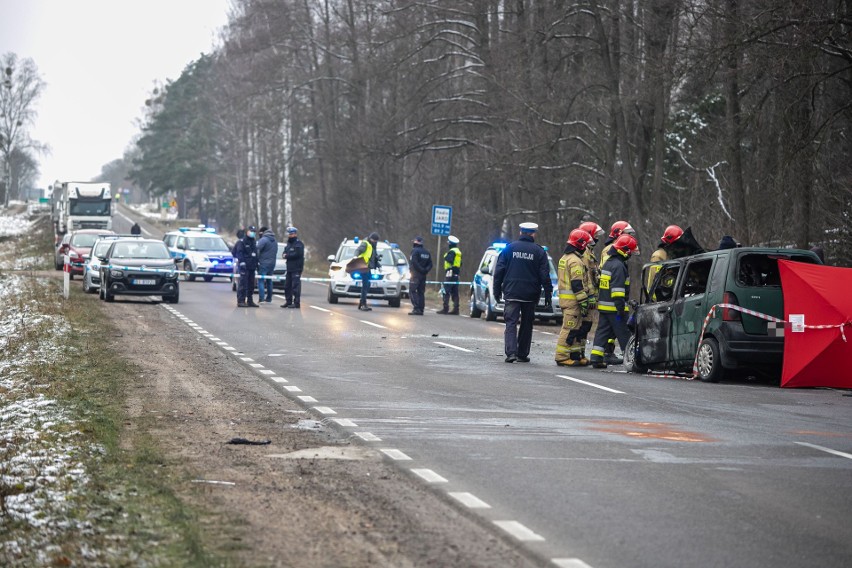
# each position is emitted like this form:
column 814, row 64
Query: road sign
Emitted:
column 442, row 217
column 44, row 200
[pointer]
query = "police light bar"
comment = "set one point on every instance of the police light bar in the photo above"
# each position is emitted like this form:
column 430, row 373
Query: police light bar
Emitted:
column 498, row 246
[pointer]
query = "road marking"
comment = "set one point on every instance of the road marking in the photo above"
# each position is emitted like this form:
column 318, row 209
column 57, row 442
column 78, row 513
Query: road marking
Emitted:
column 546, row 332
column 519, row 531
column 368, row 436
column 228, row 348
column 222, row 343
column 246, row 359
column 291, row 388
column 256, row 365
column 373, row 324
column 395, row 454
column 828, row 450
column 452, row 346
column 590, row 384
column 266, row 372
column 306, row 398
column 320, row 309
column 215, row 339
column 324, row 410
column 275, row 355
column 569, row 563
column 345, row 422
column 279, row 379
column 470, row 500
column 429, row 476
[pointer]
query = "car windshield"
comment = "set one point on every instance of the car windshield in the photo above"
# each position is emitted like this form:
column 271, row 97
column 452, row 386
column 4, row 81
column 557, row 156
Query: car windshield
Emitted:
column 553, row 276
column 101, row 247
column 397, row 255
column 84, row 240
column 141, row 250
column 91, row 208
column 212, row 243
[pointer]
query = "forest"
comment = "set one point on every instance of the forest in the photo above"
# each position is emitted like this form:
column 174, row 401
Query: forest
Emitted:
column 350, row 116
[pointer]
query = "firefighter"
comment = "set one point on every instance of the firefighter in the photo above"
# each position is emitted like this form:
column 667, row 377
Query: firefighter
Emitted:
column 452, row 269
column 675, row 243
column 613, row 291
column 576, row 292
column 597, row 232
column 618, row 228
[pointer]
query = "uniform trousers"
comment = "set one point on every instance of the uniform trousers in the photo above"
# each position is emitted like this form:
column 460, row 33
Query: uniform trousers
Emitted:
column 292, row 288
column 609, row 325
column 572, row 338
column 245, row 287
column 517, row 342
column 417, row 291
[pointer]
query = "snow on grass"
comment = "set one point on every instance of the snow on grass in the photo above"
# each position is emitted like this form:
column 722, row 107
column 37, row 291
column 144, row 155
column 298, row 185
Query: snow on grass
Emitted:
column 11, row 225
column 41, row 470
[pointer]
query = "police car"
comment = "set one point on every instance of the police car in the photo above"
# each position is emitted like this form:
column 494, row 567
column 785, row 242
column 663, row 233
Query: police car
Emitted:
column 482, row 289
column 385, row 283
column 200, row 250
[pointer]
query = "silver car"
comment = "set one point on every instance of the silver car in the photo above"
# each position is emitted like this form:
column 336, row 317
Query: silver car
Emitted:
column 385, row 283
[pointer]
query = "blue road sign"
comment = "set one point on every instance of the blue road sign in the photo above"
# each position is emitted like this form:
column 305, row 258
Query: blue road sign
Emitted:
column 442, row 217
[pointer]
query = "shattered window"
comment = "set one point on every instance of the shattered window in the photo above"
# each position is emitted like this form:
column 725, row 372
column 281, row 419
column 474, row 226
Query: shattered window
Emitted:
column 697, row 277
column 761, row 270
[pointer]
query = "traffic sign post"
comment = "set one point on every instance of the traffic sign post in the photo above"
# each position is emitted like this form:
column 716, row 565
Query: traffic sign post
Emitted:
column 442, row 217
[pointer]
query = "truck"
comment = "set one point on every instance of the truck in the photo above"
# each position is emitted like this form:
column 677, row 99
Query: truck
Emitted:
column 81, row 205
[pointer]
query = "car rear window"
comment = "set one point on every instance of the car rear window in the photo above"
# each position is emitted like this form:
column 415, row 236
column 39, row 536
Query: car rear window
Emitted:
column 761, row 270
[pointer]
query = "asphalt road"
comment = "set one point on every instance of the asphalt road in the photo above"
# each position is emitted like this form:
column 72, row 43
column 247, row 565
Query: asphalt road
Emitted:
column 583, row 467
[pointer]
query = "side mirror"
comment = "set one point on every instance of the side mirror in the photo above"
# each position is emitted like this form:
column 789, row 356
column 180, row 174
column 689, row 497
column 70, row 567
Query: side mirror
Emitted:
column 181, row 246
column 400, row 262
column 485, row 270
column 102, row 259
column 176, row 260
column 331, row 258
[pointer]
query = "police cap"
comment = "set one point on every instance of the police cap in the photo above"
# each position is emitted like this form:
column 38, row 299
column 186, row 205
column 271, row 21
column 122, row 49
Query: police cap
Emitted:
column 529, row 227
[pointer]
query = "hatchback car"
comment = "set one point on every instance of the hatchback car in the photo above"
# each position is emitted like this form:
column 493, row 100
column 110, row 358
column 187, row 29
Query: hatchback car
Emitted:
column 138, row 267
column 667, row 324
column 385, row 283
column 200, row 250
column 482, row 290
column 92, row 268
column 77, row 245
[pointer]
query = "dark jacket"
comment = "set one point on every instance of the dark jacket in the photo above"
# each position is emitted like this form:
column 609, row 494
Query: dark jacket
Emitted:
column 374, row 262
column 245, row 251
column 614, row 286
column 267, row 251
column 294, row 252
column 522, row 271
column 420, row 261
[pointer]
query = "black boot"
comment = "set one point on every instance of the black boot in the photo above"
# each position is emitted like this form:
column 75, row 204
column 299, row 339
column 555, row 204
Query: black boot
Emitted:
column 444, row 310
column 365, row 308
column 455, row 311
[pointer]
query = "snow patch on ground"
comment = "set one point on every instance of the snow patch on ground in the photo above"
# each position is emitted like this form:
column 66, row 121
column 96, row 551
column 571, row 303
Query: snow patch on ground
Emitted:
column 11, row 225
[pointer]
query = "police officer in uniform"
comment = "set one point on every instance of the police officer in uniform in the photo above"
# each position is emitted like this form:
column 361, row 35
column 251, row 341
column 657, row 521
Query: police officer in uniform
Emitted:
column 613, row 291
column 294, row 254
column 521, row 272
column 576, row 292
column 420, row 263
column 367, row 251
column 246, row 259
column 452, row 269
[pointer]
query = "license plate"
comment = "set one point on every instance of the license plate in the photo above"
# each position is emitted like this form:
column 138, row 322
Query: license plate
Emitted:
column 143, row 282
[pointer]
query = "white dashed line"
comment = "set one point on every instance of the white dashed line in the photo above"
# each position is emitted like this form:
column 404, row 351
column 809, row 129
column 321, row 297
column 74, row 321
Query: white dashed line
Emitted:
column 373, row 324
column 228, row 348
column 256, row 365
column 279, row 379
column 827, row 450
column 324, row 410
column 266, row 372
column 470, row 500
column 275, row 355
column 368, row 436
column 569, row 563
column 452, row 346
column 547, row 332
column 320, row 309
column 519, row 531
column 345, row 422
column 590, row 384
column 214, row 338
column 395, row 454
column 246, row 359
column 429, row 476
column 291, row 388
column 306, row 398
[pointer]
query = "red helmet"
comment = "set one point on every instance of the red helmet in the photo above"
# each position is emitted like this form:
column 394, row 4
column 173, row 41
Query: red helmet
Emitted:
column 579, row 239
column 626, row 244
column 620, row 227
column 671, row 234
column 593, row 229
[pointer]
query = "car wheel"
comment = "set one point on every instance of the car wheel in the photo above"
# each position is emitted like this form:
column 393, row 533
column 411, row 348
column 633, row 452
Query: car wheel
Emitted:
column 709, row 361
column 208, row 278
column 474, row 311
column 86, row 288
column 332, row 297
column 187, row 268
column 101, row 291
column 490, row 314
column 394, row 303
column 630, row 362
column 109, row 297
column 172, row 299
column 58, row 265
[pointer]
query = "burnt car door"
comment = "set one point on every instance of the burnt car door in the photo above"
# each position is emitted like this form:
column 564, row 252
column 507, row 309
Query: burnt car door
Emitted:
column 654, row 315
column 689, row 309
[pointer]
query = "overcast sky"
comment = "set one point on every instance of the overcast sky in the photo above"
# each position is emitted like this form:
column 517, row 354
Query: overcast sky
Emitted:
column 100, row 60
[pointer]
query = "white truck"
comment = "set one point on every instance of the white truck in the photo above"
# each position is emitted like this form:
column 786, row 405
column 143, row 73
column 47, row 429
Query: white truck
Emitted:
column 81, row 205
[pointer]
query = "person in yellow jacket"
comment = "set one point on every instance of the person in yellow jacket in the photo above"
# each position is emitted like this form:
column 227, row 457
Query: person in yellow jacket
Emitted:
column 618, row 228
column 368, row 253
column 576, row 293
column 452, row 269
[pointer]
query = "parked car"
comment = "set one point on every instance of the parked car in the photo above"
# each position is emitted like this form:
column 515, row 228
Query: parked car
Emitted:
column 200, row 249
column 667, row 323
column 92, row 268
column 482, row 290
column 385, row 283
column 138, row 267
column 77, row 245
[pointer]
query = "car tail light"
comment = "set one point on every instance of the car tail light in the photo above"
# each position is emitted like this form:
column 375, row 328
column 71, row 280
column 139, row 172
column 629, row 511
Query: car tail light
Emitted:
column 727, row 313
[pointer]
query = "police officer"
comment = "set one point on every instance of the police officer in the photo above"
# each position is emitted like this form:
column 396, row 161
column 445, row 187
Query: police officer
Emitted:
column 613, row 291
column 267, row 251
column 576, row 292
column 246, row 258
column 521, row 272
column 294, row 253
column 135, row 229
column 420, row 263
column 367, row 251
column 452, row 269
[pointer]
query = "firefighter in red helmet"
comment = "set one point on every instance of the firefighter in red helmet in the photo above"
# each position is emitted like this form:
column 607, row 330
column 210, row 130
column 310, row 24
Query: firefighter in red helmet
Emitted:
column 576, row 292
column 613, row 292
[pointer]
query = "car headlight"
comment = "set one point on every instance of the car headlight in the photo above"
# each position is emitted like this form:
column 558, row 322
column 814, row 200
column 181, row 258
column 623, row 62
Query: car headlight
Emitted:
column 116, row 274
column 171, row 274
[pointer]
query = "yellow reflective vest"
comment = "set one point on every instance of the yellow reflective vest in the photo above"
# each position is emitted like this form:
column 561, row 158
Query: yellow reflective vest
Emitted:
column 573, row 280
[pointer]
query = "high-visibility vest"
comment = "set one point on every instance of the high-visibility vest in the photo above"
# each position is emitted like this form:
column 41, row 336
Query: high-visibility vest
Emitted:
column 368, row 252
column 456, row 260
column 572, row 268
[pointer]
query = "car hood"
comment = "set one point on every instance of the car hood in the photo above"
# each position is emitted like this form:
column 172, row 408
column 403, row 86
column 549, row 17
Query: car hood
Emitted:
column 140, row 262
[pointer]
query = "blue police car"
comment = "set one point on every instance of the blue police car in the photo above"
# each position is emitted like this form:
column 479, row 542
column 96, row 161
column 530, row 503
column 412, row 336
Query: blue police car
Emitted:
column 200, row 252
